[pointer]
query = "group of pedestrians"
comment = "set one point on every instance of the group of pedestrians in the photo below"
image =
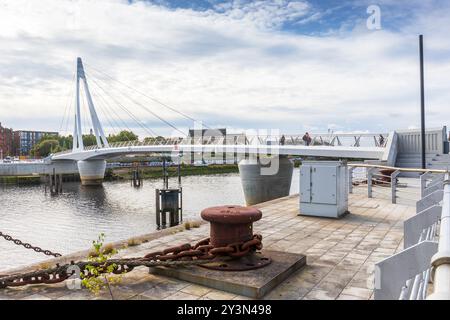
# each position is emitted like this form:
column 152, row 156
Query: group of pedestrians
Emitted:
column 306, row 138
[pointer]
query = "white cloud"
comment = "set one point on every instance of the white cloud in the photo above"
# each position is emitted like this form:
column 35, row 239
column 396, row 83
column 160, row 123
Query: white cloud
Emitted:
column 228, row 65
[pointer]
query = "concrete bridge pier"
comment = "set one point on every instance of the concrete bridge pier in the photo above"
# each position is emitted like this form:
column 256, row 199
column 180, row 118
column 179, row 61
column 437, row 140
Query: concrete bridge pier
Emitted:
column 91, row 172
column 260, row 187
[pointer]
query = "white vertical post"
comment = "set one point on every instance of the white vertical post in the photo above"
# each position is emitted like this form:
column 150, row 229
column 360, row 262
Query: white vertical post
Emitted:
column 441, row 260
column 350, row 179
column 369, row 182
column 394, row 185
column 423, row 183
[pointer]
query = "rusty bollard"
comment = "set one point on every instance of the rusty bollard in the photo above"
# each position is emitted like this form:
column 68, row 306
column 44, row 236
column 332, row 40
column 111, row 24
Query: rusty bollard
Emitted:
column 230, row 224
column 234, row 225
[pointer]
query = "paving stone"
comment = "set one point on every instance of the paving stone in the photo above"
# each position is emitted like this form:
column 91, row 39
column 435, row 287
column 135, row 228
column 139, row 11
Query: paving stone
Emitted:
column 195, row 289
column 317, row 294
column 357, row 292
column 182, row 296
column 218, row 295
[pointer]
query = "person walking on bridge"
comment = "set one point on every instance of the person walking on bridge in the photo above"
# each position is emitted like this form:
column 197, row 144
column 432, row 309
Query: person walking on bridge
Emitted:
column 307, row 139
column 282, row 140
column 381, row 140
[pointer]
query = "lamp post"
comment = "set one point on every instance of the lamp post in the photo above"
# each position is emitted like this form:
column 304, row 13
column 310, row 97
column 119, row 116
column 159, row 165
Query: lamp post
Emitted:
column 422, row 102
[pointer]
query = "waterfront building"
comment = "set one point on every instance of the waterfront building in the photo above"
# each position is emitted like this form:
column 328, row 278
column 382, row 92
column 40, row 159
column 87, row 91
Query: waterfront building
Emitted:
column 6, row 142
column 26, row 139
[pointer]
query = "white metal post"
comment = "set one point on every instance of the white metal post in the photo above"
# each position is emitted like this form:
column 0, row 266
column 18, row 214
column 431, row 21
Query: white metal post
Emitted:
column 394, row 185
column 350, row 179
column 423, row 183
column 369, row 182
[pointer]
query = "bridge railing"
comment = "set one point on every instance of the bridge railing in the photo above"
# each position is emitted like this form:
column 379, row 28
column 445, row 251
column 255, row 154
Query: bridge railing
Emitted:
column 383, row 181
column 354, row 140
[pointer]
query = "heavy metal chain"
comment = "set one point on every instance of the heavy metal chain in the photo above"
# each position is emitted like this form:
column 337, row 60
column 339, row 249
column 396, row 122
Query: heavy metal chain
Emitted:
column 186, row 254
column 29, row 246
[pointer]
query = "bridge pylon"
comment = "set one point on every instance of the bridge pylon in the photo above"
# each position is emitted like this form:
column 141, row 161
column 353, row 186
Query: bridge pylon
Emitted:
column 97, row 127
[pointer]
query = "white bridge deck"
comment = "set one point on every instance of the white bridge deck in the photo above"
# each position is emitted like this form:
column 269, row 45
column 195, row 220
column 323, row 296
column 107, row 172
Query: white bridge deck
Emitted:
column 318, row 151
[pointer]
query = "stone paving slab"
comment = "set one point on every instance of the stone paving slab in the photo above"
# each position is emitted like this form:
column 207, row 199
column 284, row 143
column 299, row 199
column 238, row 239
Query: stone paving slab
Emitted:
column 341, row 254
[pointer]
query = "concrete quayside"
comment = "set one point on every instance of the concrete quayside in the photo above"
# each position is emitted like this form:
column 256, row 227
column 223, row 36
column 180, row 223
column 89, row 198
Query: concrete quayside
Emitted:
column 344, row 256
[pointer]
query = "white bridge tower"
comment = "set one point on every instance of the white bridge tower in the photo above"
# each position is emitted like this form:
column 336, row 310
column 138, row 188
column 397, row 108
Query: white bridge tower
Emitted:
column 92, row 171
column 97, row 127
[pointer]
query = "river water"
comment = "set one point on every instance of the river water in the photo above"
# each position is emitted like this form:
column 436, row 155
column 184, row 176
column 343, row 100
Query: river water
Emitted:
column 70, row 221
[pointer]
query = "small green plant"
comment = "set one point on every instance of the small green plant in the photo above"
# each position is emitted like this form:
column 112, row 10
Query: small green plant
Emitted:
column 100, row 273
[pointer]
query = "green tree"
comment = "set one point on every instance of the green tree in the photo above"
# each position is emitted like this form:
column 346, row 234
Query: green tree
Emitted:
column 46, row 147
column 89, row 140
column 123, row 136
column 65, row 142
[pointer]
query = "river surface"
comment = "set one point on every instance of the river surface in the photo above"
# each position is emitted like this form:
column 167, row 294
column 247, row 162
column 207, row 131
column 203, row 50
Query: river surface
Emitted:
column 70, row 221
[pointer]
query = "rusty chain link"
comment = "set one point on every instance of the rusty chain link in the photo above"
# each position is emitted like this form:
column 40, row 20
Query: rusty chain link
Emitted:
column 185, row 254
column 29, row 246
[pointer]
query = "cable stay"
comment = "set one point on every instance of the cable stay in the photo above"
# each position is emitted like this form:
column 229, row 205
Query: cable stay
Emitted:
column 145, row 108
column 148, row 130
column 147, row 96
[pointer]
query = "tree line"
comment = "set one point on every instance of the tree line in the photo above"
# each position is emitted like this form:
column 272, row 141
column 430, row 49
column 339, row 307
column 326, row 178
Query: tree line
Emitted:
column 56, row 143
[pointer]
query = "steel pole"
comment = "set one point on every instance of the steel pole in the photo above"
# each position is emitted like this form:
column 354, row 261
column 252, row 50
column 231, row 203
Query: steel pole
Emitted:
column 422, row 102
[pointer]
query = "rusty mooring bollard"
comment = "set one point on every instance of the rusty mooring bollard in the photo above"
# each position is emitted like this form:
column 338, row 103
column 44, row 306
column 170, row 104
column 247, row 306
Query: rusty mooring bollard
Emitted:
column 233, row 226
column 230, row 224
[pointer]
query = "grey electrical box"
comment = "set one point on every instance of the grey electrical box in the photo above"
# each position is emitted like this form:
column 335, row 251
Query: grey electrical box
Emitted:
column 323, row 188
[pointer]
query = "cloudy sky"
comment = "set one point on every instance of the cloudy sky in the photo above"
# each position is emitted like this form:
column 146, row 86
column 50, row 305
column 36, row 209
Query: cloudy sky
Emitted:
column 277, row 64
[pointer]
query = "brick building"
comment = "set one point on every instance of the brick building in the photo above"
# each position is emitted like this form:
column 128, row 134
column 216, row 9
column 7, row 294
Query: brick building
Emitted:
column 6, row 142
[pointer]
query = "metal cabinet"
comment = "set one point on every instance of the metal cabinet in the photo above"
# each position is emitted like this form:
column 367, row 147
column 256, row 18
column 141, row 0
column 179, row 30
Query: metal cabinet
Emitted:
column 323, row 188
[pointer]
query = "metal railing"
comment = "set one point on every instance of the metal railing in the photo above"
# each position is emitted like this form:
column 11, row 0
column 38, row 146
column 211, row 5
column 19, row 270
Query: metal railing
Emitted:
column 386, row 177
column 425, row 259
column 328, row 139
column 441, row 260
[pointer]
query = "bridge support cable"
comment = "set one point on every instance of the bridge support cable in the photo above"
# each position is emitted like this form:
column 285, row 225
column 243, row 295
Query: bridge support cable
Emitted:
column 67, row 109
column 147, row 96
column 113, row 122
column 132, row 116
column 84, row 110
column 104, row 110
column 148, row 110
column 105, row 107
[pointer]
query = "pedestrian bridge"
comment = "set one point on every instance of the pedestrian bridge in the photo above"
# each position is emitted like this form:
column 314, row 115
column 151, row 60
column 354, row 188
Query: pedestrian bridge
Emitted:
column 186, row 145
column 251, row 149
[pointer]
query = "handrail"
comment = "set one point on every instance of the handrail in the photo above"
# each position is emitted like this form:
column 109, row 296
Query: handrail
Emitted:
column 441, row 260
column 366, row 165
